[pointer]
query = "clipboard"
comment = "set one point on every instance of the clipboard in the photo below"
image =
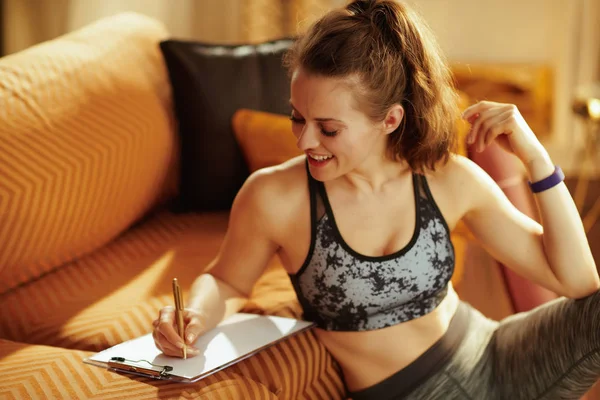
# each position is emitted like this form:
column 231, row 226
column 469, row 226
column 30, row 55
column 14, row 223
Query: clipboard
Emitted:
column 236, row 338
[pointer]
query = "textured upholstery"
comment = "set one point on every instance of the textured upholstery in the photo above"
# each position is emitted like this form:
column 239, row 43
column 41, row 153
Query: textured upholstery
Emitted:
column 44, row 372
column 113, row 295
column 266, row 139
column 86, row 143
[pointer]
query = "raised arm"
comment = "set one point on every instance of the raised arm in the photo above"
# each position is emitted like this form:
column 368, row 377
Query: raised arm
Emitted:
column 555, row 254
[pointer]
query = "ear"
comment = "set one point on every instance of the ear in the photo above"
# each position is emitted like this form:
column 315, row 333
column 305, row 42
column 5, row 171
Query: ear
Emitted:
column 393, row 119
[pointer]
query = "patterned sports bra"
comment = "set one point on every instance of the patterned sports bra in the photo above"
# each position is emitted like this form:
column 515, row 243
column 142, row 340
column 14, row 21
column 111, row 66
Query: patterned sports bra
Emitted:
column 342, row 290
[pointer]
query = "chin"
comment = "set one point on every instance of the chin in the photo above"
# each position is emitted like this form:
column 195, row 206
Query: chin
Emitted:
column 324, row 173
column 319, row 175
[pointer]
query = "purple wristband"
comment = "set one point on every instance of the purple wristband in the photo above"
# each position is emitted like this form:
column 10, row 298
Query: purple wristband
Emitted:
column 557, row 177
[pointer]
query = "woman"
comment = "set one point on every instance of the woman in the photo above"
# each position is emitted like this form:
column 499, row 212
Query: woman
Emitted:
column 362, row 224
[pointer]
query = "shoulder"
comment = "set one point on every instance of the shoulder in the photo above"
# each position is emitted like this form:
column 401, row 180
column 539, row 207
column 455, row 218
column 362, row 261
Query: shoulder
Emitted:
column 461, row 183
column 276, row 182
column 271, row 194
column 459, row 171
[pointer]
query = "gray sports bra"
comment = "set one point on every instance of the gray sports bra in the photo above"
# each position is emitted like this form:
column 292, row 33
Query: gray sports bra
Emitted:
column 342, row 290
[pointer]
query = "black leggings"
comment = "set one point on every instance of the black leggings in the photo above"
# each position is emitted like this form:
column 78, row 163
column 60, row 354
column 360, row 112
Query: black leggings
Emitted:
column 550, row 352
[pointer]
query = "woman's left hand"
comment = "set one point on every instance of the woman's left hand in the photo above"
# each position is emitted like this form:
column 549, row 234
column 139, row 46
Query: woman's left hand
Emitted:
column 505, row 124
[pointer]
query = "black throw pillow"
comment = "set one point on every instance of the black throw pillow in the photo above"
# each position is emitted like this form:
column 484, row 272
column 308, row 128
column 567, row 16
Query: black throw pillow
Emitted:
column 210, row 82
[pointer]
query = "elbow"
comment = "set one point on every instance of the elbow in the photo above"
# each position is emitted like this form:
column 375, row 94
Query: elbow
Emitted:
column 583, row 289
column 592, row 288
column 576, row 278
column 228, row 288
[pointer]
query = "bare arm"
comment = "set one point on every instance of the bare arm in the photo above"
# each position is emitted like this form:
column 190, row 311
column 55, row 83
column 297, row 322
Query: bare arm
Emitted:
column 541, row 253
column 555, row 254
column 214, row 300
column 246, row 249
column 564, row 239
column 225, row 287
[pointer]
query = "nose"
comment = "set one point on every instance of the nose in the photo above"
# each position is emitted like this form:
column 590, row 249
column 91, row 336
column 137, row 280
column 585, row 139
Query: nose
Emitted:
column 308, row 138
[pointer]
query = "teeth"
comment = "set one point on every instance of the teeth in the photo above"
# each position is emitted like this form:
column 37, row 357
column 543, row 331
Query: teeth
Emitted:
column 320, row 158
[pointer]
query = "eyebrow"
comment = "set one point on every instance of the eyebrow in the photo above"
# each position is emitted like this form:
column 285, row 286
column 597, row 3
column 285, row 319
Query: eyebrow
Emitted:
column 318, row 119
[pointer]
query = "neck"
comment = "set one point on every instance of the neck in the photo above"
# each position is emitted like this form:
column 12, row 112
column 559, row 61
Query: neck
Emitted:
column 374, row 174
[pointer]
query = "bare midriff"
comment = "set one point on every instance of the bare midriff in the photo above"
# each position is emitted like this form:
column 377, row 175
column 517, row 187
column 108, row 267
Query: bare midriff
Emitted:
column 368, row 357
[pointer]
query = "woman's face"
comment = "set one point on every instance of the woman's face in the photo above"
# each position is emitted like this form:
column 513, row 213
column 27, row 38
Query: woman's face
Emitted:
column 336, row 137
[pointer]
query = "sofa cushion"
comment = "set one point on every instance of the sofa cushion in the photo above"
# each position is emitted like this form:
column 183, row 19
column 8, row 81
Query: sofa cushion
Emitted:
column 86, row 143
column 266, row 139
column 210, row 82
column 44, row 372
column 113, row 295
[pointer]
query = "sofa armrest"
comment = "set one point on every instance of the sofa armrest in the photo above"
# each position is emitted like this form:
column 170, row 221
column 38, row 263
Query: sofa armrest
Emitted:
column 86, row 142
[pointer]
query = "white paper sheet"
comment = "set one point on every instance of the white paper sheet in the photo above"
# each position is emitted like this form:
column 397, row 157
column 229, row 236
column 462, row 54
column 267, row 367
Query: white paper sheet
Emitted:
column 234, row 339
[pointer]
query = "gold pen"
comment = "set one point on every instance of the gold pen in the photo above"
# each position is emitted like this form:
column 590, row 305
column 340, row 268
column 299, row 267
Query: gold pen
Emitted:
column 179, row 314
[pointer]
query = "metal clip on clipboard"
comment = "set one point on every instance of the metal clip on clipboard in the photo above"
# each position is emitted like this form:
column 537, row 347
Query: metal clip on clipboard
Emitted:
column 129, row 366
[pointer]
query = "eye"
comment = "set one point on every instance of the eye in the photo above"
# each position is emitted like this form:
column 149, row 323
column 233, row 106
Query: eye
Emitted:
column 296, row 120
column 328, row 133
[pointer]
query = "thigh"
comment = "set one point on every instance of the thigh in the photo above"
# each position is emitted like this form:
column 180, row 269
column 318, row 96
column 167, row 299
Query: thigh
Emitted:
column 551, row 352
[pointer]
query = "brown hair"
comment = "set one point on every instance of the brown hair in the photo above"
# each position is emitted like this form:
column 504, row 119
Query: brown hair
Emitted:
column 397, row 60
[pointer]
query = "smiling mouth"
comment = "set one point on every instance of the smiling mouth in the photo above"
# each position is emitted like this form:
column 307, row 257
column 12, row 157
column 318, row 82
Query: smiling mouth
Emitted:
column 318, row 161
column 319, row 158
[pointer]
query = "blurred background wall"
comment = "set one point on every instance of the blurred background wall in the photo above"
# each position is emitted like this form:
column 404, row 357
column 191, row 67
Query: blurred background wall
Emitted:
column 220, row 21
column 559, row 36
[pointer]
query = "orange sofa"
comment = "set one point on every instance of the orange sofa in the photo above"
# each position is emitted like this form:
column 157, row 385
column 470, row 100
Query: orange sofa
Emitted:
column 88, row 247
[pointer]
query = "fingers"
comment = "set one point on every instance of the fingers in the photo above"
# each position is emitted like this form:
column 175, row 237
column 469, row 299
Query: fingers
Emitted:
column 494, row 127
column 476, row 120
column 477, row 108
column 169, row 349
column 488, row 120
column 166, row 326
column 487, row 128
column 195, row 326
column 164, row 345
column 165, row 333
